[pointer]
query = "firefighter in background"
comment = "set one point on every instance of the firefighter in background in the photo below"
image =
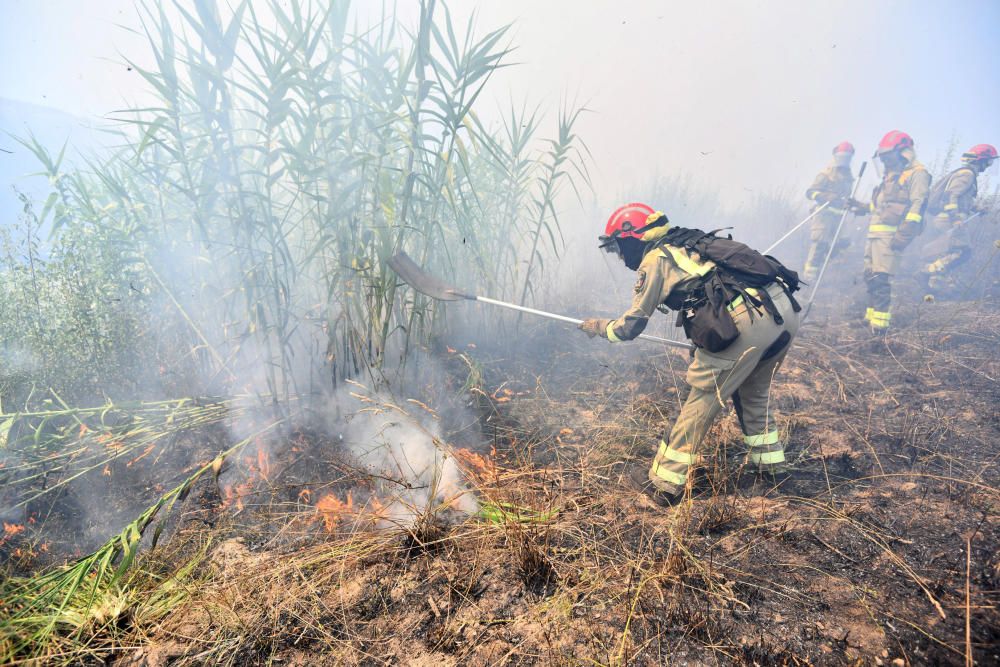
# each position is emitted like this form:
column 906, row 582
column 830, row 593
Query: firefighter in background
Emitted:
column 952, row 202
column 897, row 216
column 670, row 275
column 832, row 186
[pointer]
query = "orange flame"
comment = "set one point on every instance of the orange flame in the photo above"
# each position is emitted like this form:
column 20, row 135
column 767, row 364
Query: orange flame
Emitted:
column 256, row 467
column 332, row 511
column 476, row 462
column 264, row 464
column 234, row 493
column 140, row 457
column 109, row 441
column 9, row 531
column 12, row 529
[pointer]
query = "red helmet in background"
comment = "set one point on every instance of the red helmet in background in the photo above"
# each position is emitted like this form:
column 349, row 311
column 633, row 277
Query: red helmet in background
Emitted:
column 894, row 141
column 844, row 147
column 980, row 152
column 624, row 222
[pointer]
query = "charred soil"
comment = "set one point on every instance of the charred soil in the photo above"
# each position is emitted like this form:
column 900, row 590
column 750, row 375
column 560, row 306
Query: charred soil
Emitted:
column 860, row 557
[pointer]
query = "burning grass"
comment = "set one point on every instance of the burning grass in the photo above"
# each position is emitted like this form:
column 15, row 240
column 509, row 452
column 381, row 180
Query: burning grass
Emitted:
column 882, row 547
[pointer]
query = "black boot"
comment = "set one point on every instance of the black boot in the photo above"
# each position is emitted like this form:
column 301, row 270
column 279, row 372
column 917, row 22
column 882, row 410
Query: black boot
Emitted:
column 661, row 492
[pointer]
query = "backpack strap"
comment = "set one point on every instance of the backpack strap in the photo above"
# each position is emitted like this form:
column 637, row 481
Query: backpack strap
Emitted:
column 684, row 261
column 770, row 307
column 715, row 232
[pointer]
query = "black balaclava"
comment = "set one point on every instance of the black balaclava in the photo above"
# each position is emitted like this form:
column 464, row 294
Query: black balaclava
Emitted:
column 893, row 160
column 632, row 251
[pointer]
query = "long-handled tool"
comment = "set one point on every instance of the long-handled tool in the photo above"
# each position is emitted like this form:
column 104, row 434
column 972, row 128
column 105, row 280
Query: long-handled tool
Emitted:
column 940, row 245
column 436, row 288
column 833, row 245
column 794, row 229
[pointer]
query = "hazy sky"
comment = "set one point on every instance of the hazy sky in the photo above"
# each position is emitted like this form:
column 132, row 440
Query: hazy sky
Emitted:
column 764, row 89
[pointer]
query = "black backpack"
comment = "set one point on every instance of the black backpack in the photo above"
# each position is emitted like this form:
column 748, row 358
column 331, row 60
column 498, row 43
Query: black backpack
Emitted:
column 703, row 310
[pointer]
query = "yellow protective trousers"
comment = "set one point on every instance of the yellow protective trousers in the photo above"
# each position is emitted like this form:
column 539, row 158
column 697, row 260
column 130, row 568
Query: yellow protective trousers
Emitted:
column 821, row 233
column 743, row 372
column 881, row 263
column 954, row 254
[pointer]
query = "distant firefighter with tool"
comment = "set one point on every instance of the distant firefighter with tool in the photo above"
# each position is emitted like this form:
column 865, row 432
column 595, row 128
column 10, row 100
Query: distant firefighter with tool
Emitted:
column 735, row 305
column 897, row 217
column 952, row 204
column 832, row 187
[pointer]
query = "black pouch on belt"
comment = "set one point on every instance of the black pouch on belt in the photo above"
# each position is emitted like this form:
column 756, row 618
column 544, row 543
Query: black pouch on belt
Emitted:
column 709, row 326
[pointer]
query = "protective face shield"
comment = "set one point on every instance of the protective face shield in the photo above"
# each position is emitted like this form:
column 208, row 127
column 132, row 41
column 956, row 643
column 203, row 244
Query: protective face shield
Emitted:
column 987, row 165
column 842, row 160
column 980, row 157
column 891, row 160
column 628, row 231
column 629, row 250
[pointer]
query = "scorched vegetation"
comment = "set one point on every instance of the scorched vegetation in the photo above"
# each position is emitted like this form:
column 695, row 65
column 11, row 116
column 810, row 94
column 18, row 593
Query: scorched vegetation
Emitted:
column 229, row 434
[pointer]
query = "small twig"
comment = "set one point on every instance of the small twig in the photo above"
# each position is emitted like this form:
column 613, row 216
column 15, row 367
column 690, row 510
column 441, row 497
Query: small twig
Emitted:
column 968, row 603
column 833, row 548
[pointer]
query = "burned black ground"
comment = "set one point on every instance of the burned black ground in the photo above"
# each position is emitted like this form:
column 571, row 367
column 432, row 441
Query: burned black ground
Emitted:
column 859, row 558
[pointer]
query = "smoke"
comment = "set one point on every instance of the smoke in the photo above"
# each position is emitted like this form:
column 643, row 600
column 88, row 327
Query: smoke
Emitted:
column 398, row 447
column 408, row 456
column 401, row 461
column 707, row 96
column 18, row 360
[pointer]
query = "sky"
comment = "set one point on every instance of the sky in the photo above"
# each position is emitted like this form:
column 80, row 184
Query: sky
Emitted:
column 745, row 97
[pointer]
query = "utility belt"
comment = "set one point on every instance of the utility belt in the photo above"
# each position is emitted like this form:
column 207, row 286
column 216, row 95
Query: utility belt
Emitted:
column 774, row 290
column 713, row 327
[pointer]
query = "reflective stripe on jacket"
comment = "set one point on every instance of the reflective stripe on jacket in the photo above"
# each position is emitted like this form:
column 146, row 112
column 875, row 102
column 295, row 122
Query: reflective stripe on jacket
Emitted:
column 831, row 184
column 960, row 193
column 666, row 270
column 898, row 203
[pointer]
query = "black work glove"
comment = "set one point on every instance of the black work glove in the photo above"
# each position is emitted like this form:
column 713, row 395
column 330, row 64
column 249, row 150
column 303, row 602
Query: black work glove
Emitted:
column 898, row 243
column 593, row 326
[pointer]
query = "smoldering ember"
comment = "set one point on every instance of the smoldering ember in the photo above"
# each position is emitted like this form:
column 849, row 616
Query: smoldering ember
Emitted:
column 329, row 333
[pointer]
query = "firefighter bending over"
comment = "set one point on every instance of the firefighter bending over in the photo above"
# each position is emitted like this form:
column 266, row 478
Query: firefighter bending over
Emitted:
column 952, row 203
column 832, row 187
column 736, row 306
column 897, row 215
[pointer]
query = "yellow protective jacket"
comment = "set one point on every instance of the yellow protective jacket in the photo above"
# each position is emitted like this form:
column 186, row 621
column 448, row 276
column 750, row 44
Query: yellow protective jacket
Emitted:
column 665, row 275
column 959, row 194
column 830, row 185
column 898, row 203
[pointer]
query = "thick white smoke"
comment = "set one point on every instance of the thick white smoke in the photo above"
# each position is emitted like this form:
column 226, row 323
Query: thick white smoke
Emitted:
column 409, row 458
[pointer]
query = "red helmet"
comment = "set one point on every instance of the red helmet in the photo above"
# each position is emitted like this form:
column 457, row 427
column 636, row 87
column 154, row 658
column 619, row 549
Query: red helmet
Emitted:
column 843, row 147
column 980, row 152
column 624, row 222
column 894, row 141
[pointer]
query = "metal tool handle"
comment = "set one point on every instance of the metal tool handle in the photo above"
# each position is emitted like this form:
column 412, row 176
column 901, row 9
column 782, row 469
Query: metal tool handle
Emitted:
column 833, row 245
column 968, row 220
column 572, row 320
column 794, row 229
